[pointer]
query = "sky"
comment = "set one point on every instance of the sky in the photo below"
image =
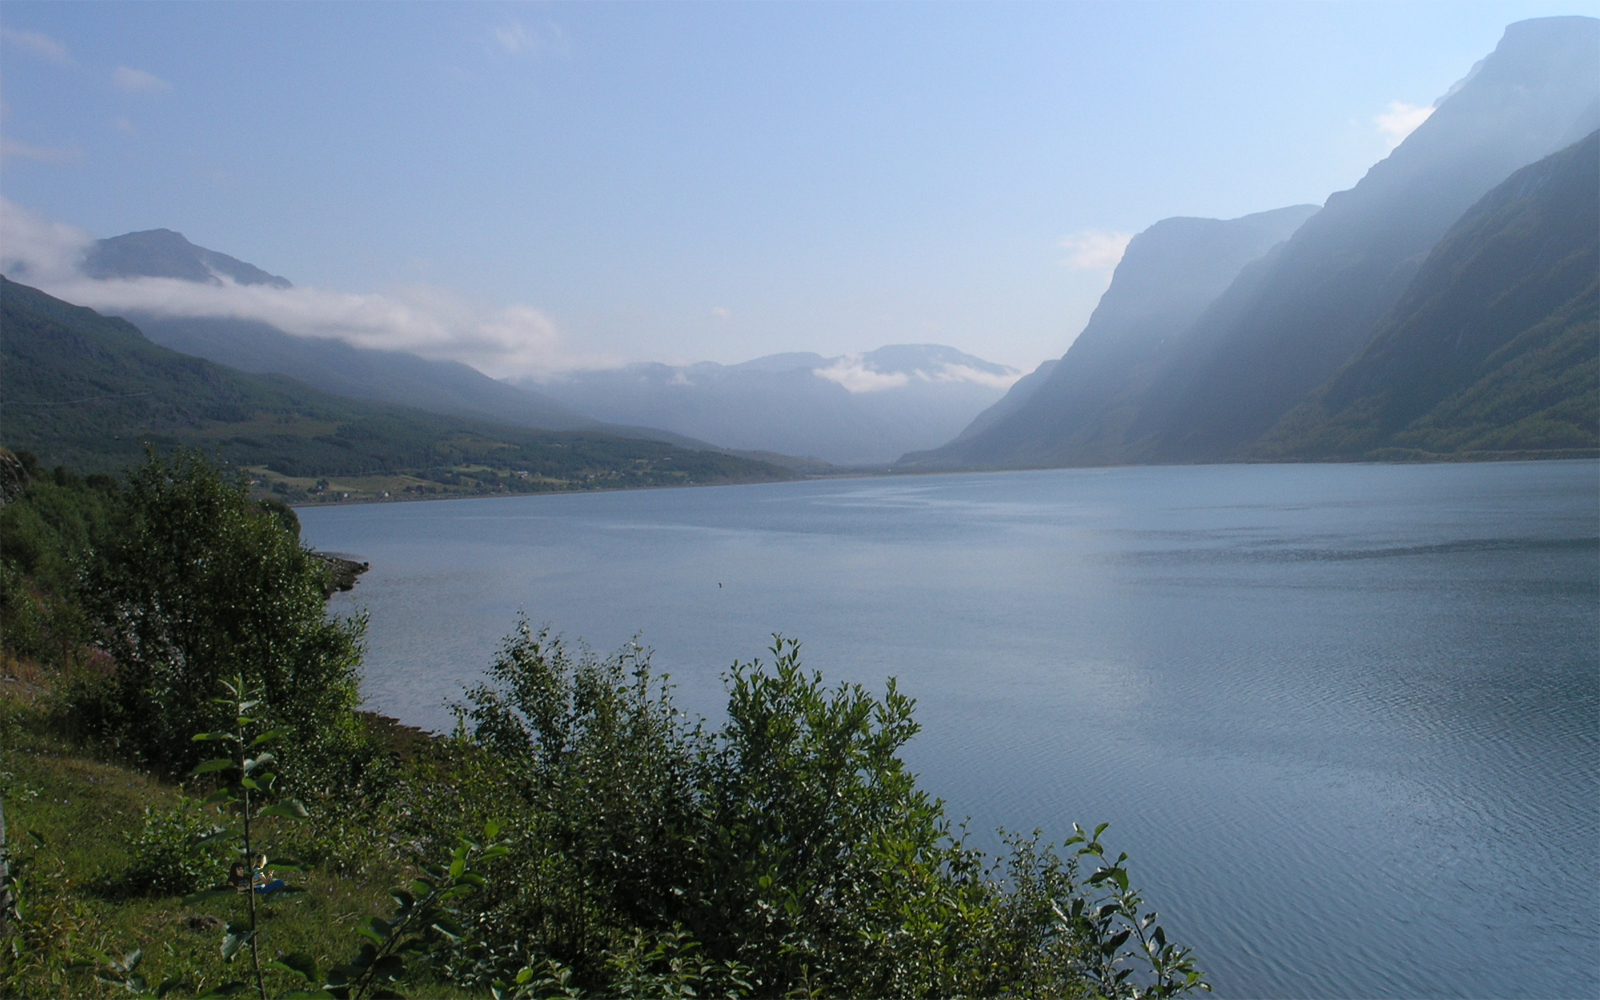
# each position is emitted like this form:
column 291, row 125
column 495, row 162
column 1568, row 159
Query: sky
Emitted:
column 530, row 187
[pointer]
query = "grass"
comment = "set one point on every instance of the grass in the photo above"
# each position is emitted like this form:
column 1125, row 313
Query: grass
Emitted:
column 70, row 820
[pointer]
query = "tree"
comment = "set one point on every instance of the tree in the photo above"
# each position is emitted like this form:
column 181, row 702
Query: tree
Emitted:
column 194, row 585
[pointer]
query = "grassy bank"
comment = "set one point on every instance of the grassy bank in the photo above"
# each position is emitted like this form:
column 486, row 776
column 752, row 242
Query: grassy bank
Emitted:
column 73, row 822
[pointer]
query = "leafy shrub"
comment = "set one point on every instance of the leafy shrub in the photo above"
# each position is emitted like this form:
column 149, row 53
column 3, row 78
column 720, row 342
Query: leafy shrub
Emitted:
column 48, row 532
column 790, row 851
column 176, row 853
column 192, row 584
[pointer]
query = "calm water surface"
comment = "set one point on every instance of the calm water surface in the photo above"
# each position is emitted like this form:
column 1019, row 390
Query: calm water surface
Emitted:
column 1345, row 718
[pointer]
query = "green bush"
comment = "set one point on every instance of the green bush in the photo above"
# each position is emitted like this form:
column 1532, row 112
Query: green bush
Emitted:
column 176, row 853
column 48, row 533
column 193, row 583
column 788, row 852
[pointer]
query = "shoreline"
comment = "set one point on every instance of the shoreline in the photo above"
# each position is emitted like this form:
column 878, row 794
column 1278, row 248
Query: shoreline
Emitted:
column 1561, row 455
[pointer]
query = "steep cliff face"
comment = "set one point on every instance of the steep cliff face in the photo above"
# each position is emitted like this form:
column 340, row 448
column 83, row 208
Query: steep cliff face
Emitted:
column 1262, row 349
column 1143, row 385
column 1495, row 346
column 1077, row 413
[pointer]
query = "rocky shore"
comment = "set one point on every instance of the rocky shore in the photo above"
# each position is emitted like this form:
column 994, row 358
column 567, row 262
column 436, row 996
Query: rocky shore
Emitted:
column 342, row 572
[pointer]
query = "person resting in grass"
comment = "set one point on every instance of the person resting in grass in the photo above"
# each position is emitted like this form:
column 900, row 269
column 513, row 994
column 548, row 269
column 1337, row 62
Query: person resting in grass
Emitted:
column 262, row 879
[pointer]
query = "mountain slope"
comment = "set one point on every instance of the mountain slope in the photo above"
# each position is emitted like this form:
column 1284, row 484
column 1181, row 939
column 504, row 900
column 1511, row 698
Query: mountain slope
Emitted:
column 1495, row 346
column 852, row 410
column 1014, row 399
column 1260, row 351
column 84, row 390
column 1079, row 412
column 330, row 365
column 360, row 372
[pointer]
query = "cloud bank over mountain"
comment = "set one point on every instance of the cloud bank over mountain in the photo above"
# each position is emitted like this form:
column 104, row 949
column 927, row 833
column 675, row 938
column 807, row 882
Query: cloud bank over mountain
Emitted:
column 433, row 322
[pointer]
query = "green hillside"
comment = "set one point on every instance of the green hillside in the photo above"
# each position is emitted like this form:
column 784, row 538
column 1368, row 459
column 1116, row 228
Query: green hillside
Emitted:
column 88, row 391
column 1494, row 348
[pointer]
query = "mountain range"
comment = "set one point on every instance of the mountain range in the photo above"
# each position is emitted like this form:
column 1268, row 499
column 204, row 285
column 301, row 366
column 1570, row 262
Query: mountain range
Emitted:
column 1175, row 387
column 852, row 410
column 1445, row 306
column 88, row 392
column 1081, row 407
column 327, row 364
column 845, row 410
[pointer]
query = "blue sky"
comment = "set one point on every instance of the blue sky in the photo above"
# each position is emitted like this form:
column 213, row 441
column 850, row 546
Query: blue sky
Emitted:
column 690, row 182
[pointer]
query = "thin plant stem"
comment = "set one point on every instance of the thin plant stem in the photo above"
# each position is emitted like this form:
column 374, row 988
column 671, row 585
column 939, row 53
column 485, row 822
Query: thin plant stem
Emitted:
column 249, row 863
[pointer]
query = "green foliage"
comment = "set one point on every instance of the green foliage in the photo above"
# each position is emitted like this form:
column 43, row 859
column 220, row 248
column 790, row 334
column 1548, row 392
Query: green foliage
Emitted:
column 786, row 851
column 195, row 585
column 48, row 534
column 789, row 852
column 426, row 910
column 248, row 795
column 175, row 853
column 287, row 518
column 607, row 771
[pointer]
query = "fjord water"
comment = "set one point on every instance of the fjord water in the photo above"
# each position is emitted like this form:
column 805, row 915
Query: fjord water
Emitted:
column 1345, row 718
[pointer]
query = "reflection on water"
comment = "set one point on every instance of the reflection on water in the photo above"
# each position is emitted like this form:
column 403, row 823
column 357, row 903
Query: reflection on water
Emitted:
column 1346, row 719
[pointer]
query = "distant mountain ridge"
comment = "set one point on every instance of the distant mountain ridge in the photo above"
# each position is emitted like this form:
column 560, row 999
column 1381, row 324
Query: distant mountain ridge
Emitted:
column 858, row 410
column 1291, row 320
column 359, row 372
column 398, row 377
column 87, row 391
column 1078, row 413
column 162, row 253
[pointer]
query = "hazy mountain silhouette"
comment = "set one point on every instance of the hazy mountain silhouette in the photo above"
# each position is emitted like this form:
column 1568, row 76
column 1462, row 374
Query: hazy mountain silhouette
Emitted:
column 1077, row 411
column 852, row 410
column 1495, row 346
column 360, row 372
column 1012, row 401
column 162, row 253
column 1270, row 341
column 87, row 391
column 1290, row 320
column 330, row 365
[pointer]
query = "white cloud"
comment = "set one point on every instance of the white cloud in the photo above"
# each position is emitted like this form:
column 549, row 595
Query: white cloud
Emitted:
column 10, row 149
column 1095, row 249
column 966, row 373
column 41, row 45
column 1400, row 121
column 35, row 250
column 515, row 38
column 851, row 372
column 432, row 322
column 138, row 81
column 720, row 312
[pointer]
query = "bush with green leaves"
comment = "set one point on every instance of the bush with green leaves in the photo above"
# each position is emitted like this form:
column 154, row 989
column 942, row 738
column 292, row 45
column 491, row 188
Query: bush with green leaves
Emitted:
column 177, row 852
column 787, row 852
column 49, row 530
column 193, row 583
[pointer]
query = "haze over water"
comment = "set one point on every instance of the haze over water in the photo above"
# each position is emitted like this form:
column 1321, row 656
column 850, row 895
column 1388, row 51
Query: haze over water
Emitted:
column 1345, row 718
